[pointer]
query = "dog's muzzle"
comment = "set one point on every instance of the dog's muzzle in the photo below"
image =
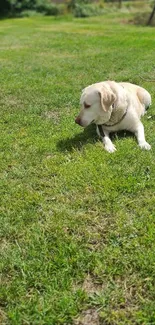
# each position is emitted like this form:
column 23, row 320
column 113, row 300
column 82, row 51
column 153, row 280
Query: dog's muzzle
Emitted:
column 78, row 121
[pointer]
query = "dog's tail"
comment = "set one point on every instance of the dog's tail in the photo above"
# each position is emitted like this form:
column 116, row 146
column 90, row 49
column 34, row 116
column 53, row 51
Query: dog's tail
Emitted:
column 144, row 97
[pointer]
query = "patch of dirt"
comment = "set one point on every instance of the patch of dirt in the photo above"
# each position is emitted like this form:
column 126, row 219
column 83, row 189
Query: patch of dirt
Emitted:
column 4, row 246
column 88, row 317
column 89, row 286
column 3, row 318
column 11, row 101
column 52, row 115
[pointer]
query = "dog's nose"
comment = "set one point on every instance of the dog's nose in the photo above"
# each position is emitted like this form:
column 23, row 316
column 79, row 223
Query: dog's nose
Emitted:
column 78, row 120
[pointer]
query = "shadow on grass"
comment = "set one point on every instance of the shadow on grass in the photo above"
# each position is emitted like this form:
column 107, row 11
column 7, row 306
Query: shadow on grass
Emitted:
column 88, row 135
column 121, row 134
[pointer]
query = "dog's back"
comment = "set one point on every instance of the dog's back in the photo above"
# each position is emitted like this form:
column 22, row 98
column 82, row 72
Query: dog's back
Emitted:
column 142, row 94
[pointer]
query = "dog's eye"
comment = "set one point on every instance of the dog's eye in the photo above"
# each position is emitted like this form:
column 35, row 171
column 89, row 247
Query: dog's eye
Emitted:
column 86, row 105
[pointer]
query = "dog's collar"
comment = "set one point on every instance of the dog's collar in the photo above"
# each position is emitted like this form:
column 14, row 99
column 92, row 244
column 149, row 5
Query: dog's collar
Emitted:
column 111, row 118
column 100, row 125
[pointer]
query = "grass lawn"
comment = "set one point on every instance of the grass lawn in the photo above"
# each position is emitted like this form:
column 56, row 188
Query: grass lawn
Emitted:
column 77, row 224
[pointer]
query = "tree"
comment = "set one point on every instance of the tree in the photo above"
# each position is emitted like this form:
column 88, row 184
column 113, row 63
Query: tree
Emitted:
column 4, row 7
column 151, row 16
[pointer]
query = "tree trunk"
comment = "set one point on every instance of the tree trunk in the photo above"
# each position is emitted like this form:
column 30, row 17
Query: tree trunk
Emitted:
column 119, row 4
column 151, row 16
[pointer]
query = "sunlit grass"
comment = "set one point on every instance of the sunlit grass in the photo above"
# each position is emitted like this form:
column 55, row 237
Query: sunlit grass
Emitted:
column 68, row 208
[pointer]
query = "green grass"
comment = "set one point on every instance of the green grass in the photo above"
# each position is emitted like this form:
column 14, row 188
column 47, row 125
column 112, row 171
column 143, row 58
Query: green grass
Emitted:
column 77, row 224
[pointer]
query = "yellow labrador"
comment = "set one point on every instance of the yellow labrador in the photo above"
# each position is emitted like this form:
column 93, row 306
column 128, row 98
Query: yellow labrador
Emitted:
column 113, row 107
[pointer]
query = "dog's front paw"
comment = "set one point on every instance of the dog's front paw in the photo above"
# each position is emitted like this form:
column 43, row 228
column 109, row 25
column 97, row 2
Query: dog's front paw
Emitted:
column 110, row 148
column 145, row 146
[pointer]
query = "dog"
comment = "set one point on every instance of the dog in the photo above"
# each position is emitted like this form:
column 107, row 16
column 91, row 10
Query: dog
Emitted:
column 113, row 107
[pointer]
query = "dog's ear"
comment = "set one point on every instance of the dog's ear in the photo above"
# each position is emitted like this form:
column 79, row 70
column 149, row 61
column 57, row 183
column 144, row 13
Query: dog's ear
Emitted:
column 107, row 98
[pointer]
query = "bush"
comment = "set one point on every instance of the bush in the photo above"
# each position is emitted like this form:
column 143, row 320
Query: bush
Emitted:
column 5, row 7
column 28, row 13
column 47, row 8
column 16, row 6
column 87, row 10
column 73, row 3
column 28, row 7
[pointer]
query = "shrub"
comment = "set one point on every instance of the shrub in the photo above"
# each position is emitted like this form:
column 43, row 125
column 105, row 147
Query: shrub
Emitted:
column 87, row 10
column 47, row 8
column 4, row 7
column 28, row 7
column 73, row 3
column 28, row 13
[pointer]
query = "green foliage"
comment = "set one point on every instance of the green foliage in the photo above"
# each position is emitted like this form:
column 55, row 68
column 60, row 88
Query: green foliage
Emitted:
column 28, row 7
column 28, row 13
column 87, row 10
column 5, row 7
column 47, row 7
column 73, row 3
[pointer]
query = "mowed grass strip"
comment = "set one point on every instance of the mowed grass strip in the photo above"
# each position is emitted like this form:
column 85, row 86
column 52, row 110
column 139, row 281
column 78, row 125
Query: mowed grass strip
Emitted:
column 77, row 224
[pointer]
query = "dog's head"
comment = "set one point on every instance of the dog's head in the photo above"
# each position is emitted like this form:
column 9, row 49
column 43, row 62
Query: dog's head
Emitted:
column 96, row 104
